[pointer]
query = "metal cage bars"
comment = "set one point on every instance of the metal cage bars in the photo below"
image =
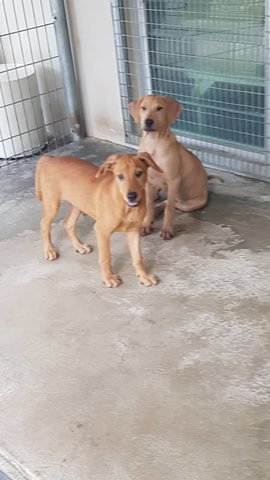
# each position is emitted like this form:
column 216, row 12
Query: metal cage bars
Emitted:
column 39, row 106
column 136, row 23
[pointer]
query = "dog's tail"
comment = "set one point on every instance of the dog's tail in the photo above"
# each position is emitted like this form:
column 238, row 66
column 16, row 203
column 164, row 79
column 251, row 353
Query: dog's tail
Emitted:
column 217, row 177
column 37, row 182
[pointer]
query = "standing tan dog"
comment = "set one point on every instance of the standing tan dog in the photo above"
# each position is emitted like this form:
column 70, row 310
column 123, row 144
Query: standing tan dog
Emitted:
column 184, row 175
column 114, row 195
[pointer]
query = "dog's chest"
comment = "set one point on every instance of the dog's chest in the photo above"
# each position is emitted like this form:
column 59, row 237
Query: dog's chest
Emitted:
column 158, row 180
column 155, row 178
column 132, row 219
column 154, row 148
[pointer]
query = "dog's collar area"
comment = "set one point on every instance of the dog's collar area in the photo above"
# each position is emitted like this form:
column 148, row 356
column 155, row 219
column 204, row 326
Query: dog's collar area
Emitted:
column 157, row 133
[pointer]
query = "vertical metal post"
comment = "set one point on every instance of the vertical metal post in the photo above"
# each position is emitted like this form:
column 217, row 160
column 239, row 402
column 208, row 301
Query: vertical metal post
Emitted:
column 138, row 30
column 267, row 83
column 124, row 85
column 67, row 67
column 132, row 56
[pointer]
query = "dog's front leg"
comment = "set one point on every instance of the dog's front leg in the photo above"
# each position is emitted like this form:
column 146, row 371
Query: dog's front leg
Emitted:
column 103, row 241
column 145, row 278
column 169, row 212
column 150, row 192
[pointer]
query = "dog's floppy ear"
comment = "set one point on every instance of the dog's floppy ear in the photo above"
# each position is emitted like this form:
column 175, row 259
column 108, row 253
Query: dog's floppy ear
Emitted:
column 149, row 162
column 174, row 108
column 134, row 109
column 108, row 165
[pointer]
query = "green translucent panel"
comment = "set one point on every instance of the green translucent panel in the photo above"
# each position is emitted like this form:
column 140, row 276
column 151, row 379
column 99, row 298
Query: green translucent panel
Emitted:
column 210, row 55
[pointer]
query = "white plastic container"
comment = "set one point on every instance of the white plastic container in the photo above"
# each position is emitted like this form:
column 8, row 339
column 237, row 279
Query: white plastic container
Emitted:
column 22, row 128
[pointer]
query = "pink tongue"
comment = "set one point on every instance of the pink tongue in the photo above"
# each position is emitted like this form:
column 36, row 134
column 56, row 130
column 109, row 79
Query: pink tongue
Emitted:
column 133, row 204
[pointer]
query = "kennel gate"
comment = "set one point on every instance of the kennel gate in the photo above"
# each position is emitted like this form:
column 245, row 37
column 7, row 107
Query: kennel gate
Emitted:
column 39, row 104
column 214, row 57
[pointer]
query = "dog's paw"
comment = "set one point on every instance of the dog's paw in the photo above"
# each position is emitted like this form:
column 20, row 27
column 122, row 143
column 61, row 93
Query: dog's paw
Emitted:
column 146, row 231
column 50, row 253
column 83, row 248
column 166, row 234
column 112, row 281
column 148, row 279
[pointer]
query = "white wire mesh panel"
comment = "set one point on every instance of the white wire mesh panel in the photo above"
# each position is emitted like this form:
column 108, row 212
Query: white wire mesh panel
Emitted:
column 33, row 113
column 211, row 56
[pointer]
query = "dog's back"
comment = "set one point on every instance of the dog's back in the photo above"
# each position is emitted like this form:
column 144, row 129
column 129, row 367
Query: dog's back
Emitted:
column 61, row 174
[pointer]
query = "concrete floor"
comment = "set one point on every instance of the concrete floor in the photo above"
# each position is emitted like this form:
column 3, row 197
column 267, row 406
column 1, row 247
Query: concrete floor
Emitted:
column 164, row 383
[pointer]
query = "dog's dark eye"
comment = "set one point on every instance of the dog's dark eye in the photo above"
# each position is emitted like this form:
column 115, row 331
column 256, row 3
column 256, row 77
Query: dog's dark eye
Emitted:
column 159, row 108
column 138, row 173
column 143, row 108
column 120, row 176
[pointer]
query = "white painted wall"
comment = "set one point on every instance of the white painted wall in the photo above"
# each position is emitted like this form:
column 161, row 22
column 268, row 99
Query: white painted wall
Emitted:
column 93, row 45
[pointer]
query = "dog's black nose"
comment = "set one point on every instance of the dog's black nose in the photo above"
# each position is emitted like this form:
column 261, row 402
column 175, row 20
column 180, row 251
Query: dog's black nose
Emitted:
column 132, row 196
column 148, row 122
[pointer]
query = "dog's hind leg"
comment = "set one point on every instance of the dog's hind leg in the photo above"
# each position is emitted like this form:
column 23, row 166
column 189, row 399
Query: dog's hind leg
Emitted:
column 191, row 205
column 50, row 207
column 70, row 222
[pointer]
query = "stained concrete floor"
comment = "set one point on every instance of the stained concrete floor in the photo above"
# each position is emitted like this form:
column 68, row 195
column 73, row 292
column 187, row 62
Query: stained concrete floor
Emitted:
column 164, row 383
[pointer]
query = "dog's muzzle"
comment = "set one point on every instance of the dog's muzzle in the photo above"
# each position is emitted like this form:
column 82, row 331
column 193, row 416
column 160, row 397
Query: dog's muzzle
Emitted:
column 148, row 125
column 132, row 199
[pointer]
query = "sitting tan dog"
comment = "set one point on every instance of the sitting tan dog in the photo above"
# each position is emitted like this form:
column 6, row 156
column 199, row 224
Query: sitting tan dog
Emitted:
column 184, row 175
column 114, row 195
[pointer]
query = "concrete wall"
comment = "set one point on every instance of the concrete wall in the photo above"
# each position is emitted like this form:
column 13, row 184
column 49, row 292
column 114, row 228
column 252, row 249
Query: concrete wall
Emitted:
column 93, row 45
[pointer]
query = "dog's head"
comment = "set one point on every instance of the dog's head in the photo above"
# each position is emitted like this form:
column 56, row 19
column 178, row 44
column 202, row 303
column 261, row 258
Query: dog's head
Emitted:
column 154, row 113
column 130, row 172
